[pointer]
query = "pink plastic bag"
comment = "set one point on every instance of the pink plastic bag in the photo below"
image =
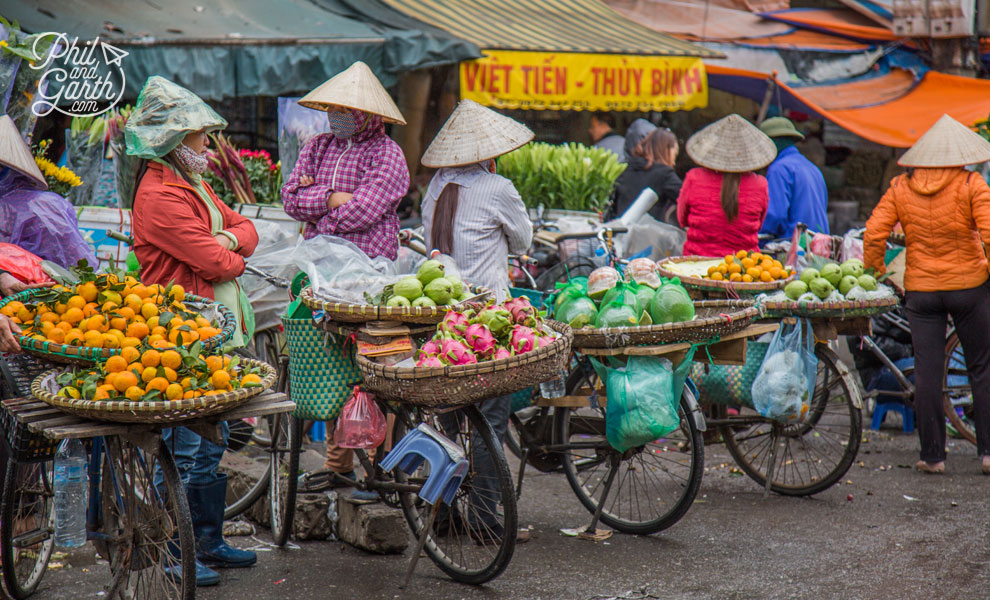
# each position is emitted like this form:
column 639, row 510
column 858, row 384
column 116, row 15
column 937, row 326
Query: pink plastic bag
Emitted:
column 22, row 264
column 361, row 423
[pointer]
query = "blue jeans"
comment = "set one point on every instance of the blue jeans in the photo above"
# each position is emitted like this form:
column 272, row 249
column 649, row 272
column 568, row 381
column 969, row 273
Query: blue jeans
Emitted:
column 196, row 457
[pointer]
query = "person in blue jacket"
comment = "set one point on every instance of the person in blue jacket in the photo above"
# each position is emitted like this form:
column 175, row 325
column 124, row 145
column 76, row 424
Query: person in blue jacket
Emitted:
column 797, row 187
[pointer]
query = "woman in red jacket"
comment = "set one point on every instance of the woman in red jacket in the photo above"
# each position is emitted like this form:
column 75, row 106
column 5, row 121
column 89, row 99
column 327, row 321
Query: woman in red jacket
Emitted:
column 184, row 234
column 722, row 202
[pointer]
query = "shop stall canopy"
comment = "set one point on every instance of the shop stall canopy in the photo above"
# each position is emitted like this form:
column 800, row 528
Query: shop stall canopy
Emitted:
column 248, row 47
column 567, row 55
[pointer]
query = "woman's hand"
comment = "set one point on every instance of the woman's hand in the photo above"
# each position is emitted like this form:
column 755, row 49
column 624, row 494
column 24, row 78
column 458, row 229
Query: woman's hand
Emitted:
column 339, row 199
column 224, row 241
column 10, row 285
column 306, row 180
column 8, row 335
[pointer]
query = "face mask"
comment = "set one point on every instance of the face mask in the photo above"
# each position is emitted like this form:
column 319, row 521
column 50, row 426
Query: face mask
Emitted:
column 191, row 160
column 342, row 124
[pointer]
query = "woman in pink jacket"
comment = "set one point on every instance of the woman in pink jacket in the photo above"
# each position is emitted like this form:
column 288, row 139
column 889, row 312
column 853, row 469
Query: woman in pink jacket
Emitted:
column 722, row 202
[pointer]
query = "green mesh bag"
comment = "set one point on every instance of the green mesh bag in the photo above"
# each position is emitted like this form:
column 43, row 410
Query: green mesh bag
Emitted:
column 321, row 375
column 164, row 114
column 730, row 384
column 521, row 399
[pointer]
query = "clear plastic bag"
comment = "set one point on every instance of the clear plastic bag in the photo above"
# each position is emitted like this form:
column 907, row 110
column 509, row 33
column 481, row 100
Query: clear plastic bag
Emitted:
column 274, row 255
column 643, row 398
column 340, row 271
column 361, row 423
column 786, row 382
column 852, row 245
column 164, row 114
column 663, row 239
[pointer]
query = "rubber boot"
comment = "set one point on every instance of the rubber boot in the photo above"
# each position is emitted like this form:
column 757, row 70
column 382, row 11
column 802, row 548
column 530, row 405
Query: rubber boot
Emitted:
column 205, row 576
column 206, row 505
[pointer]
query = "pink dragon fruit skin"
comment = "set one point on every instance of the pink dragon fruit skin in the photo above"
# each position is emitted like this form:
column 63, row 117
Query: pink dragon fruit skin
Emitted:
column 453, row 322
column 523, row 313
column 429, row 361
column 522, row 339
column 456, row 352
column 431, row 348
column 480, row 339
column 501, row 353
column 544, row 340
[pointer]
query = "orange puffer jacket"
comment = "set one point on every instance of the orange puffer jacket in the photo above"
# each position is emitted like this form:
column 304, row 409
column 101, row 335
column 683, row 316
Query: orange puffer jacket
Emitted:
column 943, row 212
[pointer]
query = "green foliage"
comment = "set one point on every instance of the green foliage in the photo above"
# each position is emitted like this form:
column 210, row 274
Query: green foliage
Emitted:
column 983, row 128
column 570, row 176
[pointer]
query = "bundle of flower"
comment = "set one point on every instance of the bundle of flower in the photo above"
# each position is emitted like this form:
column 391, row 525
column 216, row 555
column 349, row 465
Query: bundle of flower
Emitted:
column 60, row 179
column 265, row 176
column 492, row 333
column 228, row 175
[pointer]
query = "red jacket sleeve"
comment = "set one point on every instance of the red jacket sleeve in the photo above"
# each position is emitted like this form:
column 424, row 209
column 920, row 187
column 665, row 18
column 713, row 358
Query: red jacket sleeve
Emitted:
column 240, row 227
column 175, row 229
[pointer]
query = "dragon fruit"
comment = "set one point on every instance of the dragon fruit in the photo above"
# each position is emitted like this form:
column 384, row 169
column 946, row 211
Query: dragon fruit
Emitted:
column 480, row 339
column 429, row 361
column 523, row 313
column 431, row 348
column 497, row 320
column 544, row 340
column 522, row 339
column 453, row 322
column 501, row 353
column 456, row 352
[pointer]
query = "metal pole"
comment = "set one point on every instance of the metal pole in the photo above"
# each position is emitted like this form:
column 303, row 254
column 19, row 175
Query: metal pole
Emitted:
column 613, row 468
column 421, row 542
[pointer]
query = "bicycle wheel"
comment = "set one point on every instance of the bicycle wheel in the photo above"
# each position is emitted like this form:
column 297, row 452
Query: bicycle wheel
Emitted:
column 473, row 540
column 147, row 528
column 957, row 395
column 810, row 456
column 561, row 272
column 283, row 469
column 656, row 483
column 248, row 441
column 27, row 526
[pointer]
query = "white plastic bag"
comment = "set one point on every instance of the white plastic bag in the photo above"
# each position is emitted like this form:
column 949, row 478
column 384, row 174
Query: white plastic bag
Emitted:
column 785, row 385
column 340, row 271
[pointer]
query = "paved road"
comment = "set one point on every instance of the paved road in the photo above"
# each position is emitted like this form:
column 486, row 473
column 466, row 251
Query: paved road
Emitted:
column 903, row 535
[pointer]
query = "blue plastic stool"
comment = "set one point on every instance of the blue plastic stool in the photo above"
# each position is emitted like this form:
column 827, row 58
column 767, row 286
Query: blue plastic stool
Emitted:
column 880, row 412
column 318, row 432
column 446, row 473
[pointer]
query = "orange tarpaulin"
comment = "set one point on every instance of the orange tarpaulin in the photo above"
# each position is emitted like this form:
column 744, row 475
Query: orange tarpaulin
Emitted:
column 839, row 22
column 887, row 110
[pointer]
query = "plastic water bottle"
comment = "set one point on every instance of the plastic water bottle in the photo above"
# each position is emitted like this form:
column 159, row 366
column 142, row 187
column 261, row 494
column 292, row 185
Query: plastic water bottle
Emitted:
column 70, row 494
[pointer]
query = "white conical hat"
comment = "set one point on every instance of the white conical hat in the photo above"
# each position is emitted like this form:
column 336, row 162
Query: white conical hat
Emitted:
column 948, row 143
column 472, row 134
column 14, row 152
column 357, row 88
column 731, row 145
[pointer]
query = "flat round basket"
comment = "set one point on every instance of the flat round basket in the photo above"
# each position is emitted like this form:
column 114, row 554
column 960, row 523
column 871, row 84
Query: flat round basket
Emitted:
column 84, row 355
column 830, row 310
column 740, row 288
column 467, row 384
column 343, row 312
column 161, row 412
column 712, row 318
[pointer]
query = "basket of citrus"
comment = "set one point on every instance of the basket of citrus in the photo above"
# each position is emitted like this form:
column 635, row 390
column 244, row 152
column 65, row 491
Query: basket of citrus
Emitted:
column 104, row 313
column 151, row 385
column 741, row 273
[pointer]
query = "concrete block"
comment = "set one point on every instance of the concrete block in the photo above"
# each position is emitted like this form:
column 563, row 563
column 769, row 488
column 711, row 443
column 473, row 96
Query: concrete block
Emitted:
column 376, row 527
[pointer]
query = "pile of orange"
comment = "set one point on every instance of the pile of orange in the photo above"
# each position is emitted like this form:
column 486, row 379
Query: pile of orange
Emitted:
column 748, row 267
column 151, row 374
column 110, row 313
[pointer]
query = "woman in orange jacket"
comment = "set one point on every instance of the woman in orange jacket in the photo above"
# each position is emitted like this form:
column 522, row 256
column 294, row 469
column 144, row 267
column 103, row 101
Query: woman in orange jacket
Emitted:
column 945, row 212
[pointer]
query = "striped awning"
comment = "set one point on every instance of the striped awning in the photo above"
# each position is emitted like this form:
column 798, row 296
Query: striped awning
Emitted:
column 586, row 26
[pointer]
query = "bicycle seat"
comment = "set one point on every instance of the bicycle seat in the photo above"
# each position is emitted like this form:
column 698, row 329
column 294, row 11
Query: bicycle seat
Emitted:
column 446, row 474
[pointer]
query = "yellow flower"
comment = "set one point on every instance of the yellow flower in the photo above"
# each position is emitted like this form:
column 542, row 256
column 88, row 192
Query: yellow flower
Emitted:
column 3, row 43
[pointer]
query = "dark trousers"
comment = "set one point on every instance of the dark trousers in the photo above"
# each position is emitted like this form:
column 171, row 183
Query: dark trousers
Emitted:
column 928, row 313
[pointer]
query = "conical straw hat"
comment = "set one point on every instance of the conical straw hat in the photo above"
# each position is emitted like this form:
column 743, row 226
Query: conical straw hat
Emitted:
column 472, row 134
column 731, row 145
column 14, row 153
column 356, row 88
column 948, row 143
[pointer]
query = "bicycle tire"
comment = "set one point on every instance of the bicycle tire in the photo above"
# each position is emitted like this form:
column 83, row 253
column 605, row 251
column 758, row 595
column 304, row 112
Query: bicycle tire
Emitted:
column 963, row 423
column 686, row 441
column 27, row 493
column 283, row 470
column 574, row 266
column 804, row 465
column 493, row 555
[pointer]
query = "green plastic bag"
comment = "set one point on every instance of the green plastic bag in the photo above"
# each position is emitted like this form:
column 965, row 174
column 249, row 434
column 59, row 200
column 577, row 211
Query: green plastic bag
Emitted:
column 622, row 311
column 643, row 398
column 671, row 304
column 164, row 114
column 577, row 312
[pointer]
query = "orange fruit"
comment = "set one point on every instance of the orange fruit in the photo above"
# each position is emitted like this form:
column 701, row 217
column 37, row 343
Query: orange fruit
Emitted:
column 747, row 263
column 206, row 333
column 64, row 326
column 11, row 308
column 118, row 323
column 171, row 359
column 49, row 317
column 75, row 302
column 188, row 337
column 101, row 394
column 130, row 342
column 717, row 276
column 134, row 393
column 254, row 378
column 174, row 391
column 214, row 363
column 730, row 258
column 74, row 337
column 220, row 380
column 109, row 307
column 157, row 383
column 735, row 277
column 178, row 293
column 149, row 310
column 130, row 353
column 170, row 374
column 747, row 278
column 88, row 291
column 152, row 322
column 151, row 358
column 735, row 268
column 161, row 344
column 96, row 323
column 138, row 330
column 776, row 272
column 111, row 341
column 186, row 383
column 73, row 315
column 133, row 302
column 741, row 254
column 93, row 339
column 203, row 322
column 152, row 339
column 158, row 330
column 765, row 276
column 25, row 314
column 126, row 312
column 124, row 380
column 723, row 268
column 90, row 309
column 140, row 291
column 711, row 270
column 136, row 368
column 188, row 394
column 115, row 364
column 57, row 335
column 754, row 272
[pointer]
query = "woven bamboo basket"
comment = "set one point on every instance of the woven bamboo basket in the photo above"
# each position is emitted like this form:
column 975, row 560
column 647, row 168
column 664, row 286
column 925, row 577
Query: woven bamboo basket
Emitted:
column 739, row 288
column 830, row 310
column 343, row 312
column 158, row 412
column 713, row 318
column 84, row 355
column 466, row 384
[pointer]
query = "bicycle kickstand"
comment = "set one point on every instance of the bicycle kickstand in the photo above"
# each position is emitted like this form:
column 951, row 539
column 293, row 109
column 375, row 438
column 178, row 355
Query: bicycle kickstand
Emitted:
column 420, row 543
column 774, row 436
column 592, row 531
